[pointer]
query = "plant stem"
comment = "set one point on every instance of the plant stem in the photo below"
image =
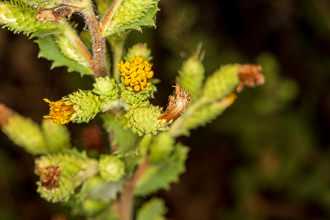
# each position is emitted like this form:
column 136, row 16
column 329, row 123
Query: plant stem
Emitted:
column 109, row 15
column 127, row 196
column 98, row 41
column 117, row 46
column 78, row 44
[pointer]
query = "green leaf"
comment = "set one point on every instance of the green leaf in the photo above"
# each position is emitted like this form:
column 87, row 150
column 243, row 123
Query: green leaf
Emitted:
column 124, row 137
column 21, row 18
column 54, row 3
column 132, row 14
column 26, row 133
column 205, row 115
column 50, row 51
column 57, row 137
column 160, row 176
column 221, row 83
column 152, row 210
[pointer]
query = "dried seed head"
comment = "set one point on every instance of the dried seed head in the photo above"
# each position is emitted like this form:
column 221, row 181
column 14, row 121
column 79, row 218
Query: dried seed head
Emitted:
column 57, row 13
column 59, row 112
column 49, row 176
column 250, row 76
column 177, row 104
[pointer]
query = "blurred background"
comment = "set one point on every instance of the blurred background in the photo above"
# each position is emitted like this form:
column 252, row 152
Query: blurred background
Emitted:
column 266, row 157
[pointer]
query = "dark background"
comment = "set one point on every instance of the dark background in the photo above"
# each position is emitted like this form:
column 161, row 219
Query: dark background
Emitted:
column 266, row 157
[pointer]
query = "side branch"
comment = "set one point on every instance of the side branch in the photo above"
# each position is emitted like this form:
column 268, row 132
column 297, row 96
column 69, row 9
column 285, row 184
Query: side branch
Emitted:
column 127, row 196
column 109, row 15
column 98, row 42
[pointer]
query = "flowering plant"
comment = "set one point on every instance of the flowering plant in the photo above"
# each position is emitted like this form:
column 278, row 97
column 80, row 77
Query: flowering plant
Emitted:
column 143, row 154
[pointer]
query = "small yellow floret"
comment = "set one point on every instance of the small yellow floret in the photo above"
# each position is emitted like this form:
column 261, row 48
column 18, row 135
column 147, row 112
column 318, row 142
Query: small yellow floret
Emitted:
column 59, row 112
column 136, row 73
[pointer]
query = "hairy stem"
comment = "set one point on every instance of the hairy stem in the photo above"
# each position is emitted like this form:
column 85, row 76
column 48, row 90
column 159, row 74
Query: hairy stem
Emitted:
column 109, row 15
column 127, row 197
column 98, row 41
column 78, row 44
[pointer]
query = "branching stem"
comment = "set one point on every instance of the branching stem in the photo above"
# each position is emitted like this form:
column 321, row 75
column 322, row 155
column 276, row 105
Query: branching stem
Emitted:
column 98, row 41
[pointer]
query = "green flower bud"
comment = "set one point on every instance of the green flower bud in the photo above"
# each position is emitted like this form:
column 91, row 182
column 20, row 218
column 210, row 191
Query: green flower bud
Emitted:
column 111, row 168
column 139, row 50
column 26, row 134
column 106, row 88
column 191, row 76
column 221, row 83
column 60, row 174
column 85, row 104
column 144, row 120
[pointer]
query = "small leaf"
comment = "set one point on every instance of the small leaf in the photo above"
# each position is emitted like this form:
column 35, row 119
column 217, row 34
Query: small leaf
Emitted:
column 124, row 137
column 50, row 51
column 57, row 137
column 160, row 176
column 152, row 210
column 132, row 14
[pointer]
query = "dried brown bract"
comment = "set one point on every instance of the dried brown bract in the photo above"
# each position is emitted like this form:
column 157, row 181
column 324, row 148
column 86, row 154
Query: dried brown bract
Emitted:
column 56, row 14
column 49, row 176
column 250, row 76
column 177, row 104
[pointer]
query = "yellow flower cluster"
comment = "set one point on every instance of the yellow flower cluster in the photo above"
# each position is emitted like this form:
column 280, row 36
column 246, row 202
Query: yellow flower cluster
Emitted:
column 136, row 73
column 59, row 112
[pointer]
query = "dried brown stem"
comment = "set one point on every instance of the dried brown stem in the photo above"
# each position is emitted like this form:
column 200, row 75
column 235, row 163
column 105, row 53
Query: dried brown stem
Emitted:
column 98, row 42
column 127, row 196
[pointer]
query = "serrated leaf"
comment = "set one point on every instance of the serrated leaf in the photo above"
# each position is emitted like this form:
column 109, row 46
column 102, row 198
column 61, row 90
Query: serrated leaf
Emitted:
column 147, row 21
column 54, row 3
column 160, row 176
column 132, row 14
column 50, row 51
column 21, row 18
column 152, row 210
column 124, row 137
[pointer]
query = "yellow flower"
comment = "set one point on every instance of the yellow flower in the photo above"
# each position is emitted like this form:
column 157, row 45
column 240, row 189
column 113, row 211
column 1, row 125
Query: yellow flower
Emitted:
column 136, row 73
column 59, row 112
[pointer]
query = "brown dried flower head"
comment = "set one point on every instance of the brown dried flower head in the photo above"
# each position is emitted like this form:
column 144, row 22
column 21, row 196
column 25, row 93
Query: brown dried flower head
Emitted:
column 56, row 14
column 177, row 104
column 250, row 76
column 49, row 176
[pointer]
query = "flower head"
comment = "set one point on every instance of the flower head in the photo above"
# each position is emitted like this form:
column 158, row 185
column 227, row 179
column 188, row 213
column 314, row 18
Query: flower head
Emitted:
column 59, row 112
column 136, row 73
